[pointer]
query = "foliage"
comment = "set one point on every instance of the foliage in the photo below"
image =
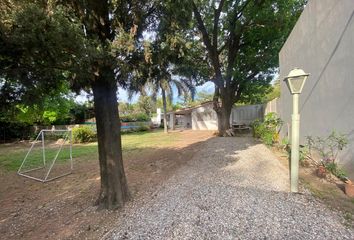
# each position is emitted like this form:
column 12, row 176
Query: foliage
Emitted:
column 268, row 129
column 333, row 168
column 79, row 113
column 135, row 117
column 274, row 93
column 258, row 93
column 53, row 110
column 169, row 104
column 201, row 97
column 204, row 96
column 84, row 45
column 15, row 130
column 303, row 152
column 284, row 142
column 146, row 105
column 328, row 148
column 40, row 53
column 163, row 53
column 83, row 134
column 255, row 93
column 239, row 42
column 126, row 108
column 140, row 128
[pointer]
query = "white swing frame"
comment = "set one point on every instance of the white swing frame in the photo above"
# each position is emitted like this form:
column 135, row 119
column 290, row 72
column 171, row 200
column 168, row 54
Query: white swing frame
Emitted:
column 68, row 136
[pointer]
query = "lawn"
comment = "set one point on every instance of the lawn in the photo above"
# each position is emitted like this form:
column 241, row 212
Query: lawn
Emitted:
column 11, row 155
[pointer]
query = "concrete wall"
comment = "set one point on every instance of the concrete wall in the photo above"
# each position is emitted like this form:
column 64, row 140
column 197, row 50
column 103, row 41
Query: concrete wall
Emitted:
column 204, row 118
column 322, row 43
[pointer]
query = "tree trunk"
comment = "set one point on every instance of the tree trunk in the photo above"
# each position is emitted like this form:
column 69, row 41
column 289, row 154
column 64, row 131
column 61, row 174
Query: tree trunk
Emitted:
column 114, row 190
column 164, row 102
column 223, row 113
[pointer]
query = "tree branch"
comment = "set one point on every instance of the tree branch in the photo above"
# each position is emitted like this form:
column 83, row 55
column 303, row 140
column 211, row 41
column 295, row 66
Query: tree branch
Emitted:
column 212, row 49
column 202, row 28
column 217, row 13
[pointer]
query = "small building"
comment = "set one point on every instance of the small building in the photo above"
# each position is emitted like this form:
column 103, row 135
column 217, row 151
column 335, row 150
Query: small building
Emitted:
column 203, row 116
column 322, row 44
column 200, row 117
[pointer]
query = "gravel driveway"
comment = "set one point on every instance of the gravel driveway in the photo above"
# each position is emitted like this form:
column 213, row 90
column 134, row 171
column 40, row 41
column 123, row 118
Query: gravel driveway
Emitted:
column 233, row 188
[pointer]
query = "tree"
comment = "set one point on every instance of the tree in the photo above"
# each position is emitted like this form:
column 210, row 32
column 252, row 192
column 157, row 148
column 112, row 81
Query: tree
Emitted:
column 168, row 55
column 274, row 91
column 80, row 112
column 146, row 105
column 53, row 110
column 165, row 84
column 241, row 42
column 88, row 44
column 204, row 96
column 165, row 52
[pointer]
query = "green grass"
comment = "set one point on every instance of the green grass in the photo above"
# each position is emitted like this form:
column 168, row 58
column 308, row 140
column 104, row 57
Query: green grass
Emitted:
column 11, row 156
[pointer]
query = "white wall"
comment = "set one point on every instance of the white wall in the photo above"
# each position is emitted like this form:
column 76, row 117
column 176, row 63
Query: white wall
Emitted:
column 204, row 118
column 187, row 121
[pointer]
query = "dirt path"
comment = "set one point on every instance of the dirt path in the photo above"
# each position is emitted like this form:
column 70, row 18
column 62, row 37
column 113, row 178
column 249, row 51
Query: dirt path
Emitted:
column 63, row 209
column 233, row 188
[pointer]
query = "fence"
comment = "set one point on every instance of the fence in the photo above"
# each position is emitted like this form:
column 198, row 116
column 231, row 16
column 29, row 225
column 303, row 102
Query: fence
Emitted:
column 124, row 125
column 10, row 133
column 248, row 113
column 271, row 106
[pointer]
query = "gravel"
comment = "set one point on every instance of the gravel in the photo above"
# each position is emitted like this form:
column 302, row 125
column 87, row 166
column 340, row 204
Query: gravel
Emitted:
column 233, row 188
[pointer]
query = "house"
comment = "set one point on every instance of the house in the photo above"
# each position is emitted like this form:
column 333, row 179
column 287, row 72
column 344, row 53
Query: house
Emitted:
column 322, row 44
column 200, row 117
column 203, row 116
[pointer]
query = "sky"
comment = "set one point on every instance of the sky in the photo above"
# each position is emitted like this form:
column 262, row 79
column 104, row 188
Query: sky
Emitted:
column 123, row 95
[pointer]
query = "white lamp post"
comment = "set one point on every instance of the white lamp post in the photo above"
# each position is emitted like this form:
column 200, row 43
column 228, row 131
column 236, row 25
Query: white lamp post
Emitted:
column 295, row 81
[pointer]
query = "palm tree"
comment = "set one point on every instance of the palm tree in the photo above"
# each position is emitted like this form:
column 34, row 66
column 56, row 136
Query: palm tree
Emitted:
column 162, row 79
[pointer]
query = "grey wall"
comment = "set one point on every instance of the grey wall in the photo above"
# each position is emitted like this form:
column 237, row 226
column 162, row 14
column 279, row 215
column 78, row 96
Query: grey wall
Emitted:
column 322, row 43
column 247, row 114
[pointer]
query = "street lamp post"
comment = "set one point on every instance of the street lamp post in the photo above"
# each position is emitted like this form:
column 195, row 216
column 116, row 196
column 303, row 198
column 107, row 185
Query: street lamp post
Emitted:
column 295, row 81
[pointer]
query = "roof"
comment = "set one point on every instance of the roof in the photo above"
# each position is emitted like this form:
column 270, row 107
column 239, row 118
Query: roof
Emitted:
column 188, row 110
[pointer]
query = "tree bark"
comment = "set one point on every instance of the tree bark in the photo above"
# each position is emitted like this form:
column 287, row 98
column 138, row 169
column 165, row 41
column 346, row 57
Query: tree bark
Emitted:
column 164, row 102
column 223, row 113
column 114, row 190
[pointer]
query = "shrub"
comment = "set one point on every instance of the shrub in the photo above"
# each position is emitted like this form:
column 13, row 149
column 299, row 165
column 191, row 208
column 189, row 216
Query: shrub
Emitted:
column 143, row 128
column 140, row 127
column 328, row 148
column 303, row 152
column 268, row 129
column 135, row 117
column 303, row 155
column 15, row 130
column 83, row 134
column 284, row 144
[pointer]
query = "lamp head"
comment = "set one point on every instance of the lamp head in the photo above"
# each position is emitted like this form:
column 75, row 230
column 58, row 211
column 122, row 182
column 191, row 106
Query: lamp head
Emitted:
column 296, row 80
